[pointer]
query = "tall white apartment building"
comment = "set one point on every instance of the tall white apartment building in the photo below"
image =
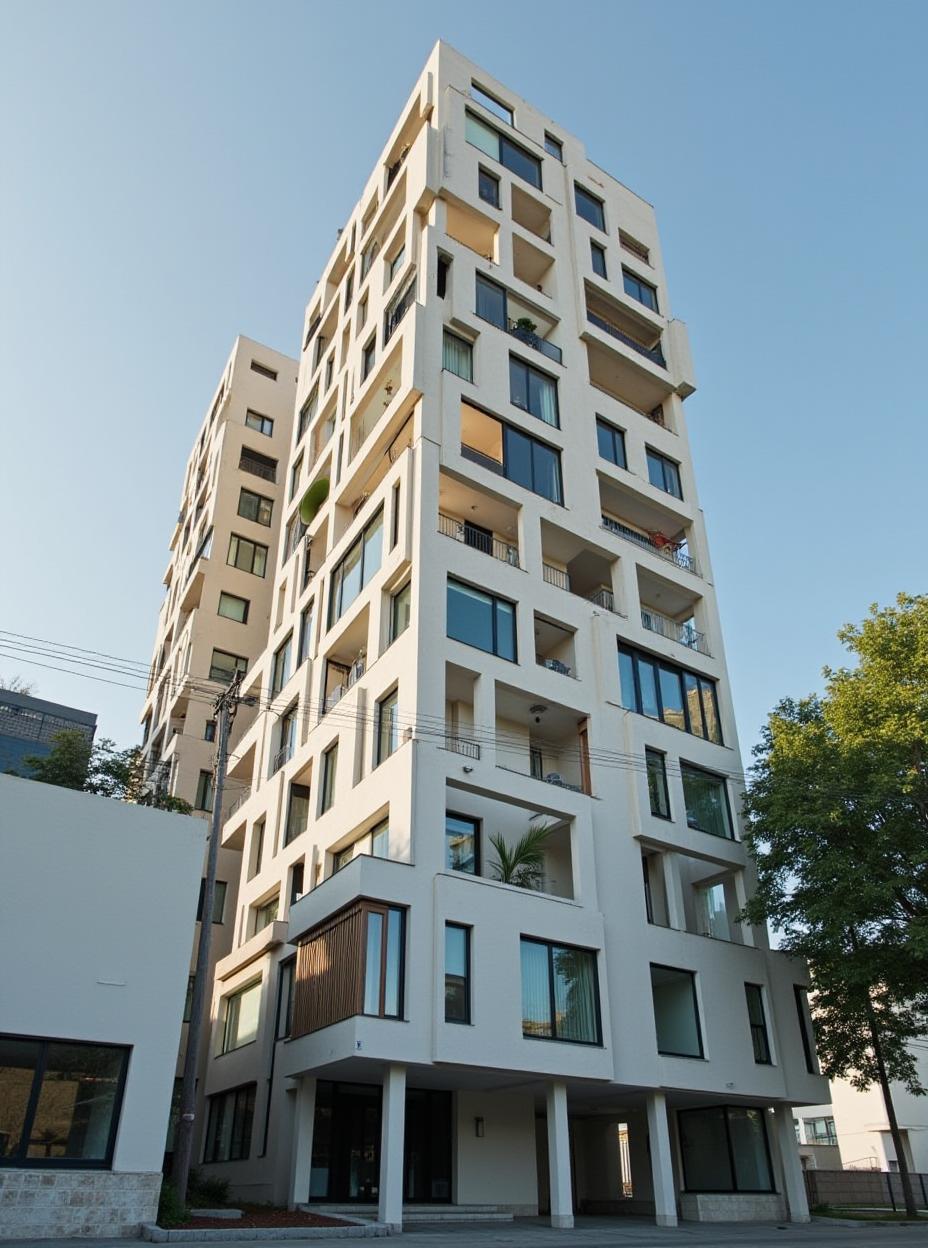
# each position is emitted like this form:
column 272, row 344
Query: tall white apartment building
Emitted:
column 499, row 620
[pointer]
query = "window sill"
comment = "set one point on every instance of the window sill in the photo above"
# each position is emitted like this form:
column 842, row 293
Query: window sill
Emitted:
column 585, row 1044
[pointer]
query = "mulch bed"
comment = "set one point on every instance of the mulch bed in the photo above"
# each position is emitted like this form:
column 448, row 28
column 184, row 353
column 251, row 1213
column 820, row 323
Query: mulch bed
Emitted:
column 261, row 1217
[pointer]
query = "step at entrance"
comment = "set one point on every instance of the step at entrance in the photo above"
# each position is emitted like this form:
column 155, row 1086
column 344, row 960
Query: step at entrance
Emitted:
column 419, row 1213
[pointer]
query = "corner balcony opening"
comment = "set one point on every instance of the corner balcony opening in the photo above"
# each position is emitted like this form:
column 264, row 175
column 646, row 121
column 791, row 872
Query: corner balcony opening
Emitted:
column 380, row 396
column 570, row 564
column 478, row 520
column 544, row 740
column 481, row 439
column 461, row 735
column 529, row 324
column 531, row 214
column 472, row 229
column 700, row 893
column 653, row 528
column 668, row 610
column 532, row 265
column 554, row 646
column 345, row 663
column 623, row 371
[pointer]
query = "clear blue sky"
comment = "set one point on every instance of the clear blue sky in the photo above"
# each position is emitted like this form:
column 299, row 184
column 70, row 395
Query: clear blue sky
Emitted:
column 174, row 174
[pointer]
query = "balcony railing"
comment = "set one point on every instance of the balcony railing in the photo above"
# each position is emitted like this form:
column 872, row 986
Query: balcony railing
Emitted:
column 654, row 354
column 258, row 466
column 602, row 596
column 283, row 755
column 670, row 551
column 554, row 665
column 478, row 457
column 531, row 339
column 352, row 675
column 395, row 314
column 461, row 745
column 555, row 576
column 460, row 531
column 685, row 634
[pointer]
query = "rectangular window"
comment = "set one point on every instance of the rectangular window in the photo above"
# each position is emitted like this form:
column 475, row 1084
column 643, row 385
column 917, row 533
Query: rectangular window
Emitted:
column 257, row 849
column 642, row 692
column 532, row 464
column 510, row 155
column 664, row 473
column 280, row 672
column 368, row 357
column 356, row 568
column 223, row 666
column 560, row 992
column 639, row 289
column 255, row 507
column 757, row 1019
column 233, row 607
column 491, row 302
column 636, row 248
column 488, row 187
column 457, row 356
column 724, row 1149
column 263, row 371
column 228, row 1128
column 329, row 765
column 400, row 610
column 188, row 1000
column 241, row 1017
column 297, row 812
column 590, row 207
column 676, row 1012
column 457, row 973
column 388, row 733
column 286, row 738
column 209, row 730
column 820, row 1131
column 219, row 900
column 395, row 513
column 60, row 1102
column 610, row 442
column 554, row 147
column 491, row 103
column 706, row 798
column 804, row 1018
column 481, row 620
column 295, row 473
column 257, row 464
column 533, row 391
column 383, row 962
column 442, row 272
column 306, row 631
column 247, row 556
column 598, row 258
column 204, row 797
column 285, row 998
column 462, row 842
column 657, row 784
column 266, row 914
column 307, row 412
column 261, row 424
column 375, row 843
column 396, row 264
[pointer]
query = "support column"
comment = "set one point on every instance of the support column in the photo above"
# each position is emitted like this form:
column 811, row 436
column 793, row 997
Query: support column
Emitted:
column 665, row 1197
column 794, row 1183
column 301, row 1150
column 392, row 1140
column 562, row 1207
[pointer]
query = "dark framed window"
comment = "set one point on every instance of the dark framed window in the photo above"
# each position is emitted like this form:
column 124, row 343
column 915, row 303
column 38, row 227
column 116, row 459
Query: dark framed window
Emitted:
column 257, row 849
column 223, row 666
column 256, row 507
column 307, row 412
column 188, row 1000
column 368, row 356
column 263, row 371
column 395, row 513
column 297, row 812
column 388, row 728
column 442, row 273
column 457, row 356
column 462, row 843
column 246, row 555
column 804, row 1018
column 262, row 424
column 286, row 737
column 610, row 442
column 60, row 1102
column 306, row 634
column 219, row 900
column 598, row 259
column 646, row 879
column 706, row 799
column 457, row 973
column 533, row 391
column 532, row 464
column 209, row 730
column 658, row 795
column 280, row 671
column 204, row 795
column 384, row 961
column 560, row 992
column 664, row 473
column 676, row 1011
column 228, row 1127
column 589, row 206
column 672, row 694
column 481, row 620
column 492, row 104
column 241, row 1017
column 554, row 147
column 329, row 767
column 488, row 187
column 511, row 155
column 724, row 1148
column 491, row 302
column 257, row 464
column 400, row 610
column 639, row 289
column 757, row 1019
column 285, row 978
column 233, row 607
column 295, row 474
column 356, row 568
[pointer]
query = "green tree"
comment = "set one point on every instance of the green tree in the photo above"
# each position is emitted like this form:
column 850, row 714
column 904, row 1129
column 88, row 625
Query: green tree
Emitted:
column 67, row 764
column 837, row 821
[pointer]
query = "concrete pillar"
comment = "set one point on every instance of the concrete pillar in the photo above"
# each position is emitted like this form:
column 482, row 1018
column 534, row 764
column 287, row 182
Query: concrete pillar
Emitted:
column 301, row 1153
column 562, row 1208
column 392, row 1139
column 665, row 1197
column 794, row 1184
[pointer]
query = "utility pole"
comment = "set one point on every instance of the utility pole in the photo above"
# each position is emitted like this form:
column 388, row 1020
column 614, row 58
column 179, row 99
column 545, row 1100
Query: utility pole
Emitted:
column 226, row 705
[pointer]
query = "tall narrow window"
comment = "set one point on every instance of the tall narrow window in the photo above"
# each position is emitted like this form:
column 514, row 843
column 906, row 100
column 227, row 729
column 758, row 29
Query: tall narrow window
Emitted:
column 329, row 765
column 257, row 849
column 228, row 1128
column 657, row 784
column 204, row 796
column 598, row 259
column 219, row 900
column 242, row 1010
column 491, row 302
column 457, row 356
column 400, row 608
column 383, row 965
column 706, row 797
column 280, row 672
column 533, row 391
column 367, row 358
column 297, row 812
column 804, row 1017
column 554, row 147
column 664, row 473
column 488, row 187
column 457, row 973
column 589, row 206
column 610, row 442
column 306, row 634
column 387, row 728
column 757, row 1018
column 462, row 839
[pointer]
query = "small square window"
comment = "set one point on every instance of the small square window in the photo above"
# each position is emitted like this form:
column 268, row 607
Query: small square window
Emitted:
column 488, row 187
column 233, row 607
column 554, row 147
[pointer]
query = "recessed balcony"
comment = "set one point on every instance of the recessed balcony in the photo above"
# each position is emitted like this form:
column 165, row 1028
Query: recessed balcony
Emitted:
column 683, row 632
column 669, row 610
column 652, row 527
column 478, row 520
column 546, row 741
column 569, row 564
column 554, row 646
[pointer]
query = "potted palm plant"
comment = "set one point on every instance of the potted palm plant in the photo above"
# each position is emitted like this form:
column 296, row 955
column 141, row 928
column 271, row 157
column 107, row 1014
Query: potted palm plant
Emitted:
column 521, row 864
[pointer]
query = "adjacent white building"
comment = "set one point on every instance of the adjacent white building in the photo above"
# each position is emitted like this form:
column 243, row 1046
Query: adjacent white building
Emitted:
column 96, row 917
column 496, row 616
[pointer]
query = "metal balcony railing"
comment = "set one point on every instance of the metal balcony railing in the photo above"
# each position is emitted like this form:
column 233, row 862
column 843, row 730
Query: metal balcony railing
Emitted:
column 654, row 354
column 283, row 755
column 461, row 745
column 531, row 339
column 554, row 665
column 259, row 466
column 671, row 551
column 602, row 596
column 555, row 576
column 685, row 634
column 397, row 311
column 460, row 531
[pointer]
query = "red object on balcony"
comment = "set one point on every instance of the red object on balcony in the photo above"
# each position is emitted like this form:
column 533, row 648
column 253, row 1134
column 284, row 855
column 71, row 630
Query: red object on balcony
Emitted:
column 661, row 540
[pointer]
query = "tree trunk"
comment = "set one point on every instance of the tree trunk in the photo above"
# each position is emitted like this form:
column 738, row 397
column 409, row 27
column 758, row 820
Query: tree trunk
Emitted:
column 904, row 1177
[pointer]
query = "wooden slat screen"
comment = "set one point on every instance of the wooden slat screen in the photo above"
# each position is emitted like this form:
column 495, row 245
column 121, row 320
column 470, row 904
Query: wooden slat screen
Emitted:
column 329, row 973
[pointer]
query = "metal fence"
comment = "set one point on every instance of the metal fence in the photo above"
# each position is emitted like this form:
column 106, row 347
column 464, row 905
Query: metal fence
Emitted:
column 863, row 1187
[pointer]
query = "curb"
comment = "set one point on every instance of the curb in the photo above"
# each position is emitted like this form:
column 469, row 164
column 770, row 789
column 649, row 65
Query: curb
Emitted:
column 159, row 1235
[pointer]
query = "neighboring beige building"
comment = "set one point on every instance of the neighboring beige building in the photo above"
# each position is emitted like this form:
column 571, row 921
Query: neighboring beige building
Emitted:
column 500, row 618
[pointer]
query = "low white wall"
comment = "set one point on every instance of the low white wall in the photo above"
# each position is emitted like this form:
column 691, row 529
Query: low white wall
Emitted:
column 732, row 1206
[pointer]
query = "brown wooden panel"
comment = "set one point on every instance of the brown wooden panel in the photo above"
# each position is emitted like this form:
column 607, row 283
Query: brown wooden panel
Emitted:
column 329, row 972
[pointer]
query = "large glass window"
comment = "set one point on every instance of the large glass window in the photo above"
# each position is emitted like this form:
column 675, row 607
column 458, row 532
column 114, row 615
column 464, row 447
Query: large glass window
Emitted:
column 724, row 1149
column 481, row 620
column 664, row 473
column 706, row 798
column 639, row 289
column 247, row 556
column 223, row 666
column 388, row 730
column 532, row 464
column 491, row 302
column 457, row 973
column 356, row 568
column 498, row 146
column 757, row 1018
column 657, row 784
column 676, row 1013
column 252, row 506
column 228, row 1129
column 610, row 442
column 457, row 356
column 383, row 963
column 240, row 1021
column 59, row 1102
column 669, row 693
column 233, row 608
column 590, row 207
column 560, row 994
column 533, row 391
column 462, row 841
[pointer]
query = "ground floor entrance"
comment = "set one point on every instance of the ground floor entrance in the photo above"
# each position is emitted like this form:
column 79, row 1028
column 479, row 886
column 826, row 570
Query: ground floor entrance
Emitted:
column 346, row 1144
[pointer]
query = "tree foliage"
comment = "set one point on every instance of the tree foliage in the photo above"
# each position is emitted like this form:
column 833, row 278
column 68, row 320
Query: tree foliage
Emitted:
column 523, row 863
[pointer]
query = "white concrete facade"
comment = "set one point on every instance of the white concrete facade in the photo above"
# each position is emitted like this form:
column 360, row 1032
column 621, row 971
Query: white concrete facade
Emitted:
column 513, row 716
column 98, row 903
